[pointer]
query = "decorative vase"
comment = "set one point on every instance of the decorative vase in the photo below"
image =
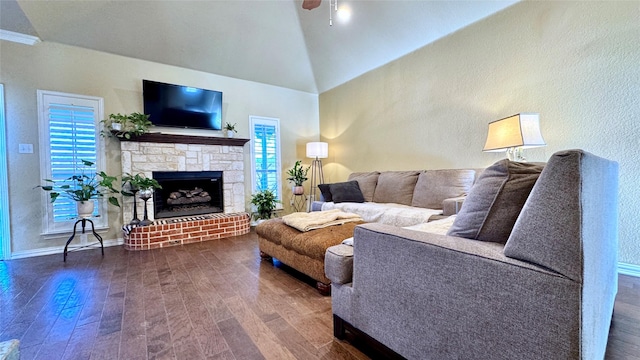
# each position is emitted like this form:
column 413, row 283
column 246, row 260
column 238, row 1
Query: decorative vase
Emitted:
column 230, row 133
column 145, row 194
column 85, row 208
column 116, row 126
column 298, row 190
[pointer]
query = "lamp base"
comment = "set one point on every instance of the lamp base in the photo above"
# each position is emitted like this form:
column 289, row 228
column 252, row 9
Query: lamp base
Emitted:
column 516, row 154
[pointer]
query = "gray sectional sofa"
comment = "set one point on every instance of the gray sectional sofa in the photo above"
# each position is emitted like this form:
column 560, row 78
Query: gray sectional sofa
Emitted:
column 543, row 287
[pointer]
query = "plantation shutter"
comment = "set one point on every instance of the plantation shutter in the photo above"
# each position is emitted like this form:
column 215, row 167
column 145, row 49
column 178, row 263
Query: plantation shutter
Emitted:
column 69, row 134
column 72, row 137
column 266, row 155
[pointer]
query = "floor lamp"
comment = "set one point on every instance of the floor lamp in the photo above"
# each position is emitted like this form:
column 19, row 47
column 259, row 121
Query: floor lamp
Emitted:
column 317, row 151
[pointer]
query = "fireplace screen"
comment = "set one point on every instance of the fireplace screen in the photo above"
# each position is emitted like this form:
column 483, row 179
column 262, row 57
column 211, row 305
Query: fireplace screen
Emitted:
column 188, row 193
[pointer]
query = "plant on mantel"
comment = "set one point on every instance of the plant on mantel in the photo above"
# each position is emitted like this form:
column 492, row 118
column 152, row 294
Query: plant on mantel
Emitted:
column 126, row 126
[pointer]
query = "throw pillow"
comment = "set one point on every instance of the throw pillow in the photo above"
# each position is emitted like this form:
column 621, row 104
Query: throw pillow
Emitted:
column 367, row 182
column 495, row 201
column 434, row 186
column 325, row 190
column 348, row 191
column 395, row 187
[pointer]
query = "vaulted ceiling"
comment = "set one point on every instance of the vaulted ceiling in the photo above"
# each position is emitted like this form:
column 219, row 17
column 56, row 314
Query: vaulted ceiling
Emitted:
column 269, row 41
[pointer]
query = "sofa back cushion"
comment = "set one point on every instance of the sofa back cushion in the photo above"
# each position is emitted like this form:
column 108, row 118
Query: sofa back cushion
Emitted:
column 367, row 182
column 434, row 186
column 395, row 187
column 495, row 201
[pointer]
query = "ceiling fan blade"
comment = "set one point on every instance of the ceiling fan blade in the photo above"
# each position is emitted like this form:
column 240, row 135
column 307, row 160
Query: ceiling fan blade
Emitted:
column 310, row 4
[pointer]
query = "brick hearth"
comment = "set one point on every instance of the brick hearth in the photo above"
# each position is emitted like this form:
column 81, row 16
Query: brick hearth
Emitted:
column 170, row 232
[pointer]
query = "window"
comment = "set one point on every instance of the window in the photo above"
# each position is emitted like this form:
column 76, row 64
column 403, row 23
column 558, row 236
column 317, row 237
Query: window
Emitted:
column 265, row 155
column 68, row 133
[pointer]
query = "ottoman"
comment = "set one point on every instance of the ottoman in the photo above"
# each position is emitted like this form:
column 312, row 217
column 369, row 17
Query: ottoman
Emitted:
column 302, row 251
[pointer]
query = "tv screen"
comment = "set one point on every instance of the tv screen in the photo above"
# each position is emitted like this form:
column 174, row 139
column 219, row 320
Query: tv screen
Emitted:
column 182, row 106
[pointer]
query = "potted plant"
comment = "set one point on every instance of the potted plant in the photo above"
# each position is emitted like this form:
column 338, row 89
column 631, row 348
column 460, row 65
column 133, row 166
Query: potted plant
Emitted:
column 132, row 184
column 231, row 129
column 126, row 126
column 265, row 202
column 84, row 187
column 298, row 175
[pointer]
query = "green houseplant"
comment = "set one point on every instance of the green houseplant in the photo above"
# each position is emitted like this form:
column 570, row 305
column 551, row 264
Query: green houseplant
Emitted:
column 231, row 129
column 81, row 188
column 132, row 184
column 126, row 126
column 265, row 202
column 298, row 175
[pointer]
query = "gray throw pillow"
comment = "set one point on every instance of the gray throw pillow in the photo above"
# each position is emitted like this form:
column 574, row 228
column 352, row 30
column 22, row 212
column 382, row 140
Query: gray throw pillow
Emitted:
column 346, row 192
column 325, row 190
column 495, row 201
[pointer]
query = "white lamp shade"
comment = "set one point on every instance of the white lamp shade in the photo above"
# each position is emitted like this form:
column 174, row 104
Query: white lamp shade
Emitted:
column 317, row 150
column 521, row 130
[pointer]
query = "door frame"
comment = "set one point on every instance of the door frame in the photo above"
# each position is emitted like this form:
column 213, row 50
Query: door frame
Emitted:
column 5, row 222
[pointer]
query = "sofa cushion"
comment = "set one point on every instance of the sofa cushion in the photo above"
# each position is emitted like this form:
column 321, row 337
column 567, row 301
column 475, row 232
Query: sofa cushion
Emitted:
column 367, row 182
column 348, row 191
column 395, row 187
column 434, row 186
column 495, row 201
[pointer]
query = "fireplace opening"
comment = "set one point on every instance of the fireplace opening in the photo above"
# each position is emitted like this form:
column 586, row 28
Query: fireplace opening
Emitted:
column 187, row 193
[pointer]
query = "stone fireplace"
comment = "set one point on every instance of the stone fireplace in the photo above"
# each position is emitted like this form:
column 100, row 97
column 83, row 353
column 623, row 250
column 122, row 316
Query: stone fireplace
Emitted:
column 203, row 189
column 187, row 193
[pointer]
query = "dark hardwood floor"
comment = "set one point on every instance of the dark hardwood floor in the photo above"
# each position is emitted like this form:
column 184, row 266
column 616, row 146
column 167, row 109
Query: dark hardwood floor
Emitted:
column 214, row 300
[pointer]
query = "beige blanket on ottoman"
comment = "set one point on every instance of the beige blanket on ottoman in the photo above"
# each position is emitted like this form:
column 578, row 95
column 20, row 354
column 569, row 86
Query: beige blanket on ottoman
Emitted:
column 319, row 219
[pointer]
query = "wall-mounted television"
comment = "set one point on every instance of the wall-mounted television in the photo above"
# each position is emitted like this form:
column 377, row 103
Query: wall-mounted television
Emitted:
column 182, row 106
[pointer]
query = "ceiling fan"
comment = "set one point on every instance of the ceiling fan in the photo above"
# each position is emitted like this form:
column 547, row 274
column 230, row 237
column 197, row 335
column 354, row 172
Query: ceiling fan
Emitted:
column 310, row 4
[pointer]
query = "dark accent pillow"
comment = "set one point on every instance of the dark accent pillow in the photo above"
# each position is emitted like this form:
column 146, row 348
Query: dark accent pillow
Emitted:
column 346, row 192
column 495, row 201
column 326, row 192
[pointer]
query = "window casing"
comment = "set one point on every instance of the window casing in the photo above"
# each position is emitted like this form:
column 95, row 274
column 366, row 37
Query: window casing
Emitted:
column 69, row 132
column 265, row 155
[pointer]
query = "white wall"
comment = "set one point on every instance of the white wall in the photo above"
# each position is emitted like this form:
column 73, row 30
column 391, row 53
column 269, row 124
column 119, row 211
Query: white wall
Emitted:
column 51, row 66
column 576, row 63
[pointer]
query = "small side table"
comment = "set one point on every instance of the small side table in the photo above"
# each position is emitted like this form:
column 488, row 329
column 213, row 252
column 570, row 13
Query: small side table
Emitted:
column 93, row 230
column 299, row 202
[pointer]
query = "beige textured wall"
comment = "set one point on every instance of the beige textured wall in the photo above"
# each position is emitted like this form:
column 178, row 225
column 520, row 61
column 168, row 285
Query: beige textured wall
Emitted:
column 576, row 63
column 51, row 66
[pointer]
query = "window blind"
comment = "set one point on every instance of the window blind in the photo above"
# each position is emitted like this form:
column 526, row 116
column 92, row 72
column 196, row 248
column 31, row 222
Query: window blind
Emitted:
column 72, row 137
column 266, row 158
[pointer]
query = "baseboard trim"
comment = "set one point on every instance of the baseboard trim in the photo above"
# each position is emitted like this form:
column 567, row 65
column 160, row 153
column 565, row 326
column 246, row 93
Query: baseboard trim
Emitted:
column 629, row 269
column 58, row 250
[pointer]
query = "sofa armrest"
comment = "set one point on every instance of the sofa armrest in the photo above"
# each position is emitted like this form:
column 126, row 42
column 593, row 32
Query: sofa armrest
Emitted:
column 451, row 206
column 338, row 264
column 317, row 205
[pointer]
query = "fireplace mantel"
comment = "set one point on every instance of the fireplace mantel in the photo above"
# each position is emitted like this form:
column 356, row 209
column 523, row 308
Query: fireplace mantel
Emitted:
column 187, row 139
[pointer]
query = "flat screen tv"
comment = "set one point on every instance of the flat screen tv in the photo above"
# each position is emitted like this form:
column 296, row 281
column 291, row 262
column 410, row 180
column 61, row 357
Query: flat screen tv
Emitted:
column 182, row 106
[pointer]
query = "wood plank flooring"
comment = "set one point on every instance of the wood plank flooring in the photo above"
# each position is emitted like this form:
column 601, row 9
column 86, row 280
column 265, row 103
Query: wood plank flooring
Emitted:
column 212, row 300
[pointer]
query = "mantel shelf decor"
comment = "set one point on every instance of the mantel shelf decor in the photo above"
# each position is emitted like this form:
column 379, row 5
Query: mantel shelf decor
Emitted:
column 187, row 139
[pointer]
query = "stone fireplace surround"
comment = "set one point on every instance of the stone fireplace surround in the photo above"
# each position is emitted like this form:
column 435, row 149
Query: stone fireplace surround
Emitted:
column 164, row 152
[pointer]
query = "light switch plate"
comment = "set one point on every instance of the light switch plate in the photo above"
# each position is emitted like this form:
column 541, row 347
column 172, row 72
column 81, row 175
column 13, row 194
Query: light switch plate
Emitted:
column 25, row 148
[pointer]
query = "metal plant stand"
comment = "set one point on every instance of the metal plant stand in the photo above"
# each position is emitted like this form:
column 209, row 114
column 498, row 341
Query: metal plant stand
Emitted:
column 93, row 230
column 135, row 220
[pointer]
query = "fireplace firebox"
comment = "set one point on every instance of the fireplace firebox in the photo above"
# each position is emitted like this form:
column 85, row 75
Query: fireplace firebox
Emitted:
column 187, row 193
